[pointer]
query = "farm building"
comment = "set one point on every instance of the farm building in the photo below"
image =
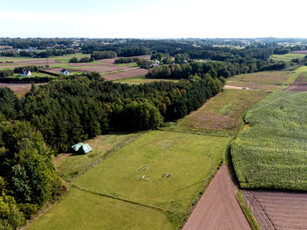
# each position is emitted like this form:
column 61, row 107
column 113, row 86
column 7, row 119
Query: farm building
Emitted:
column 82, row 148
column 25, row 73
column 64, row 72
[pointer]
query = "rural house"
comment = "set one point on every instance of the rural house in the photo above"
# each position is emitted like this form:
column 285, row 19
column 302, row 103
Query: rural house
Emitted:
column 25, row 73
column 64, row 72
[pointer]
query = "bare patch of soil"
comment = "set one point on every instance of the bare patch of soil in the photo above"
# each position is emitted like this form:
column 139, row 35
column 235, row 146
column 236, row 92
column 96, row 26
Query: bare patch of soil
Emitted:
column 278, row 210
column 126, row 74
column 218, row 208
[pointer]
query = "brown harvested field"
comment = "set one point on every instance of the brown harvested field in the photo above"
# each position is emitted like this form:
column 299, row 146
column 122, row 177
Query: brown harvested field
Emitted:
column 135, row 72
column 218, row 208
column 299, row 52
column 300, row 83
column 278, row 210
column 222, row 112
column 19, row 89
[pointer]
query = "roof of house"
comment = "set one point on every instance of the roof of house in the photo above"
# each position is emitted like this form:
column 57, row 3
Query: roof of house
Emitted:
column 64, row 70
column 25, row 71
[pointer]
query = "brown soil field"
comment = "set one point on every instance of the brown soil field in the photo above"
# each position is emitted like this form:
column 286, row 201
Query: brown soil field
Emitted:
column 135, row 72
column 19, row 89
column 300, row 84
column 300, row 52
column 218, row 208
column 278, row 210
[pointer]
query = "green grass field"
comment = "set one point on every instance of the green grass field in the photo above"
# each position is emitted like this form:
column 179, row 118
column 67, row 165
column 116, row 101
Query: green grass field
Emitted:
column 286, row 57
column 142, row 80
column 83, row 210
column 272, row 80
column 133, row 64
column 135, row 172
column 221, row 114
column 271, row 151
column 69, row 166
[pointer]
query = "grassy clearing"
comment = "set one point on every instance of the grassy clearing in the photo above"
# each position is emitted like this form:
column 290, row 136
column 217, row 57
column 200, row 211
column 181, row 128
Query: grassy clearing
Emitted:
column 69, row 166
column 286, row 57
column 271, row 152
column 221, row 114
column 141, row 80
column 186, row 157
column 272, row 80
column 83, row 210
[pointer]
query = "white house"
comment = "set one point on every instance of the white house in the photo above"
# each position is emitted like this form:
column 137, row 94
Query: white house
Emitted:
column 64, row 72
column 25, row 73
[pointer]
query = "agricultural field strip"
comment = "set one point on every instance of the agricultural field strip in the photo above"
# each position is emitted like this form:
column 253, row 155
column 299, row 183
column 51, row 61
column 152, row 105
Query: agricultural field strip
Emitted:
column 285, row 150
column 277, row 100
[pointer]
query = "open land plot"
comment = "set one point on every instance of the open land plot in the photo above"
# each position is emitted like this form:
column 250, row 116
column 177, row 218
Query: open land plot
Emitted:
column 287, row 57
column 300, row 84
column 142, row 80
column 270, row 153
column 84, row 210
column 135, row 72
column 220, row 114
column 164, row 170
column 70, row 165
column 272, row 80
column 299, row 52
column 278, row 210
column 218, row 209
column 19, row 89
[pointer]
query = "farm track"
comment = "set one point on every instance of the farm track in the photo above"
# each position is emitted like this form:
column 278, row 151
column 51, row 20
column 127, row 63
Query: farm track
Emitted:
column 218, row 208
column 278, row 210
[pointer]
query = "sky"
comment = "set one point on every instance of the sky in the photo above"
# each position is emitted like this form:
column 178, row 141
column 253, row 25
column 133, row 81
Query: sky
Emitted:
column 153, row 19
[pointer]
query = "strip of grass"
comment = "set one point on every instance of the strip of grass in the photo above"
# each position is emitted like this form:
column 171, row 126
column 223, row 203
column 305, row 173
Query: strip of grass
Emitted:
column 68, row 167
column 83, row 210
column 141, row 80
column 271, row 152
column 135, row 172
column 247, row 212
column 221, row 114
column 286, row 57
column 134, row 64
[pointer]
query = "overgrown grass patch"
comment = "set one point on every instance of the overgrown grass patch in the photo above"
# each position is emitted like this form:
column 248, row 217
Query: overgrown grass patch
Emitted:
column 221, row 114
column 68, row 167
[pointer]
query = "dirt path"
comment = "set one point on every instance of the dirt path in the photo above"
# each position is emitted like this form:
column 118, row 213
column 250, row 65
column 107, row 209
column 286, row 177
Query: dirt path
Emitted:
column 278, row 210
column 235, row 87
column 218, row 208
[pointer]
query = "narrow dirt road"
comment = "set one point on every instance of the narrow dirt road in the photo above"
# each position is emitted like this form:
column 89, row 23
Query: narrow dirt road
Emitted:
column 218, row 208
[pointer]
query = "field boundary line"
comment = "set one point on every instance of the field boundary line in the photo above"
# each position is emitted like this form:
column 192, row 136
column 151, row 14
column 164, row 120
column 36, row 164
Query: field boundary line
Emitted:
column 192, row 133
column 108, row 154
column 118, row 198
column 260, row 206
